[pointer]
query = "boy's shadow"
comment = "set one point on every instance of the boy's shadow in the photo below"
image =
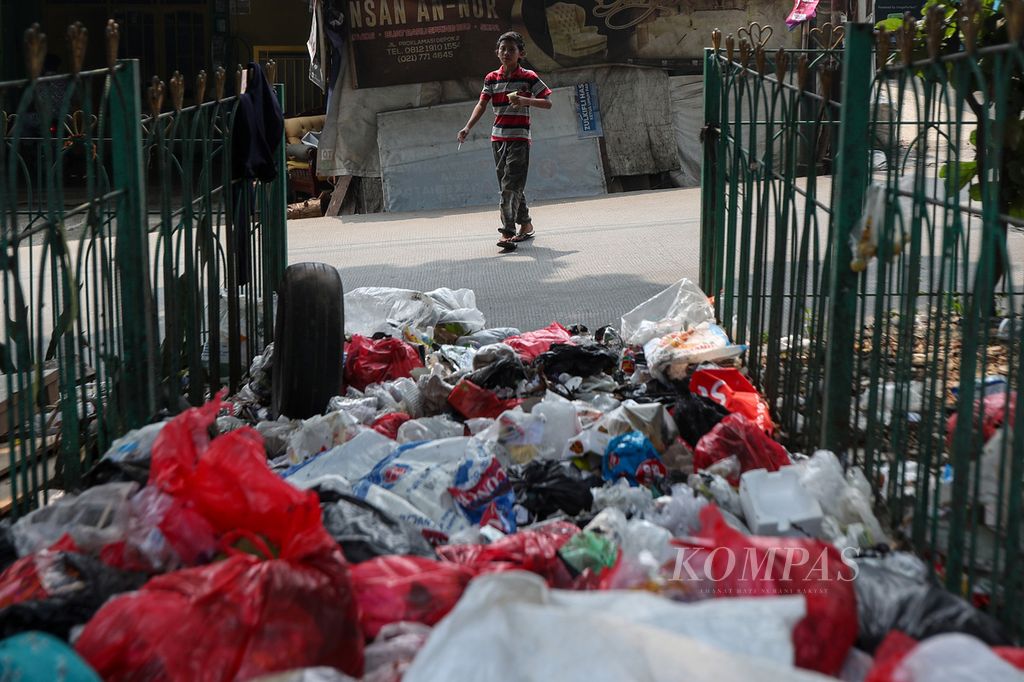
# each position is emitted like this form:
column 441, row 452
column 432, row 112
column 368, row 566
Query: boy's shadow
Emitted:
column 539, row 253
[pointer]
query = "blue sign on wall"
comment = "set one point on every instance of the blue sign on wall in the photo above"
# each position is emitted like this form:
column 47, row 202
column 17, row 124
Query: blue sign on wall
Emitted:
column 588, row 111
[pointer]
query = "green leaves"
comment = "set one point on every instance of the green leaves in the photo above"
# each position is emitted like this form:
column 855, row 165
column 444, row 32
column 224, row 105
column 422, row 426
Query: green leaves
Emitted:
column 890, row 25
column 966, row 170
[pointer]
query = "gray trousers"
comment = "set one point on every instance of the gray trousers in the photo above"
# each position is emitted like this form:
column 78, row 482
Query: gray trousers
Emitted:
column 512, row 163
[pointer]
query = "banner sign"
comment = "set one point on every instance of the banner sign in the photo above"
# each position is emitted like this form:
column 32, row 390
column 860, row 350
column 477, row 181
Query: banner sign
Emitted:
column 803, row 10
column 588, row 111
column 394, row 42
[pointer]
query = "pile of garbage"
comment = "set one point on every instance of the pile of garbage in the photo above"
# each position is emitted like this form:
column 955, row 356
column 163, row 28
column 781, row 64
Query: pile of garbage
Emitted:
column 484, row 504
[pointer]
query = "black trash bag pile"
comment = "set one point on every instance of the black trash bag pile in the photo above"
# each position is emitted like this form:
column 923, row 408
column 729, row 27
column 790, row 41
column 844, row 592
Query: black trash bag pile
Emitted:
column 503, row 373
column 578, row 361
column 8, row 552
column 89, row 583
column 695, row 416
column 895, row 591
column 545, row 488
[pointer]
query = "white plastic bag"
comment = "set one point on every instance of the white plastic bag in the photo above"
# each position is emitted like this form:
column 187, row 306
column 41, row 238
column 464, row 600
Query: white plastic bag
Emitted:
column 458, row 358
column 650, row 419
column 519, row 433
column 886, row 403
column 458, row 315
column 954, row 658
column 645, row 541
column 561, row 423
column 823, row 477
column 995, row 469
column 321, row 433
column 590, row 441
column 867, row 234
column 717, row 487
column 321, row 674
column 511, row 626
column 486, row 337
column 488, row 355
column 97, row 517
column 632, row 501
column 393, row 650
column 428, row 428
column 421, row 474
column 679, row 513
column 401, row 313
column 670, row 356
column 610, row 523
column 136, row 445
column 680, row 307
column 363, row 409
column 351, row 460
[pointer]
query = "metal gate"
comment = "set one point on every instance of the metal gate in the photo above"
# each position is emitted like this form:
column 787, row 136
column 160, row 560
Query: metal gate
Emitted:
column 862, row 234
column 137, row 270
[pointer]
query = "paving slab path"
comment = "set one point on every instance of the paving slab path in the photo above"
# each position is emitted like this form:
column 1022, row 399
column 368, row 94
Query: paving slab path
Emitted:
column 592, row 259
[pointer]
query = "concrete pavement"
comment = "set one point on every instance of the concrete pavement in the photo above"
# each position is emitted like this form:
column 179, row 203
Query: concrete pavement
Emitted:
column 592, row 260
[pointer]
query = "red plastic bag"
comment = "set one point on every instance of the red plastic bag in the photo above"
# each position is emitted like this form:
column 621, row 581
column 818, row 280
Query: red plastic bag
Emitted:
column 993, row 415
column 472, row 401
column 728, row 563
column 730, row 389
column 372, row 362
column 531, row 344
column 227, row 480
column 388, row 424
column 737, row 435
column 395, row 588
column 164, row 534
column 531, row 550
column 235, row 619
column 27, row 578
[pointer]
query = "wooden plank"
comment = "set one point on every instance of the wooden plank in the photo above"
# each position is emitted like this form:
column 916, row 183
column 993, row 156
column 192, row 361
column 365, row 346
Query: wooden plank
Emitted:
column 5, row 453
column 51, row 386
column 6, row 497
column 338, row 196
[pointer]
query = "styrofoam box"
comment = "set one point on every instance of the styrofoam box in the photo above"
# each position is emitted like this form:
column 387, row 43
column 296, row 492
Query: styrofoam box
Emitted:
column 775, row 503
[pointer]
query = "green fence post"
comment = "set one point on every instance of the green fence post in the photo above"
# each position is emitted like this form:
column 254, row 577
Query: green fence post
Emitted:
column 280, row 205
column 275, row 235
column 709, row 189
column 132, row 250
column 851, row 180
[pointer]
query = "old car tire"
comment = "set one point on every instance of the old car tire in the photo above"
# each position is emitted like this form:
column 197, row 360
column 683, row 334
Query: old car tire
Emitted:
column 309, row 341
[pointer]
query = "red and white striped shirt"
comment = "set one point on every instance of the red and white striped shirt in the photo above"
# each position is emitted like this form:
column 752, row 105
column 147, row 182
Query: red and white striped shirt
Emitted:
column 512, row 123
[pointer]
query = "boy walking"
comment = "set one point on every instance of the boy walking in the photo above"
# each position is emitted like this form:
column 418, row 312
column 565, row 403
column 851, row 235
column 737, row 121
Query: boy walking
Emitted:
column 512, row 90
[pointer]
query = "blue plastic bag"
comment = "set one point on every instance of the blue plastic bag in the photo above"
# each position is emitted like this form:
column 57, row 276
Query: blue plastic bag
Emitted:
column 633, row 457
column 484, row 492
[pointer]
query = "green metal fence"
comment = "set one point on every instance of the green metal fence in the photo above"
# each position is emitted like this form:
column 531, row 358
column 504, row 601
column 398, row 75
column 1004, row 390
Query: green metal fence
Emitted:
column 137, row 271
column 862, row 234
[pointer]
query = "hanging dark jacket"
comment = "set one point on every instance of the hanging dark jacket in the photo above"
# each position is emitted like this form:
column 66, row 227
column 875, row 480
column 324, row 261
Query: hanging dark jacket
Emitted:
column 258, row 129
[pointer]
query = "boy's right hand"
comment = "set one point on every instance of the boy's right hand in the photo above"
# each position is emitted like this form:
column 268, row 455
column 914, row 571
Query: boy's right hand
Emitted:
column 463, row 134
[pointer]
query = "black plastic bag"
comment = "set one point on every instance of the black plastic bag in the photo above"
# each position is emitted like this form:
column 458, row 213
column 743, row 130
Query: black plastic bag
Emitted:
column 94, row 583
column 8, row 553
column 695, row 416
column 109, row 471
column 544, row 488
column 578, row 361
column 364, row 531
column 505, row 373
column 895, row 591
